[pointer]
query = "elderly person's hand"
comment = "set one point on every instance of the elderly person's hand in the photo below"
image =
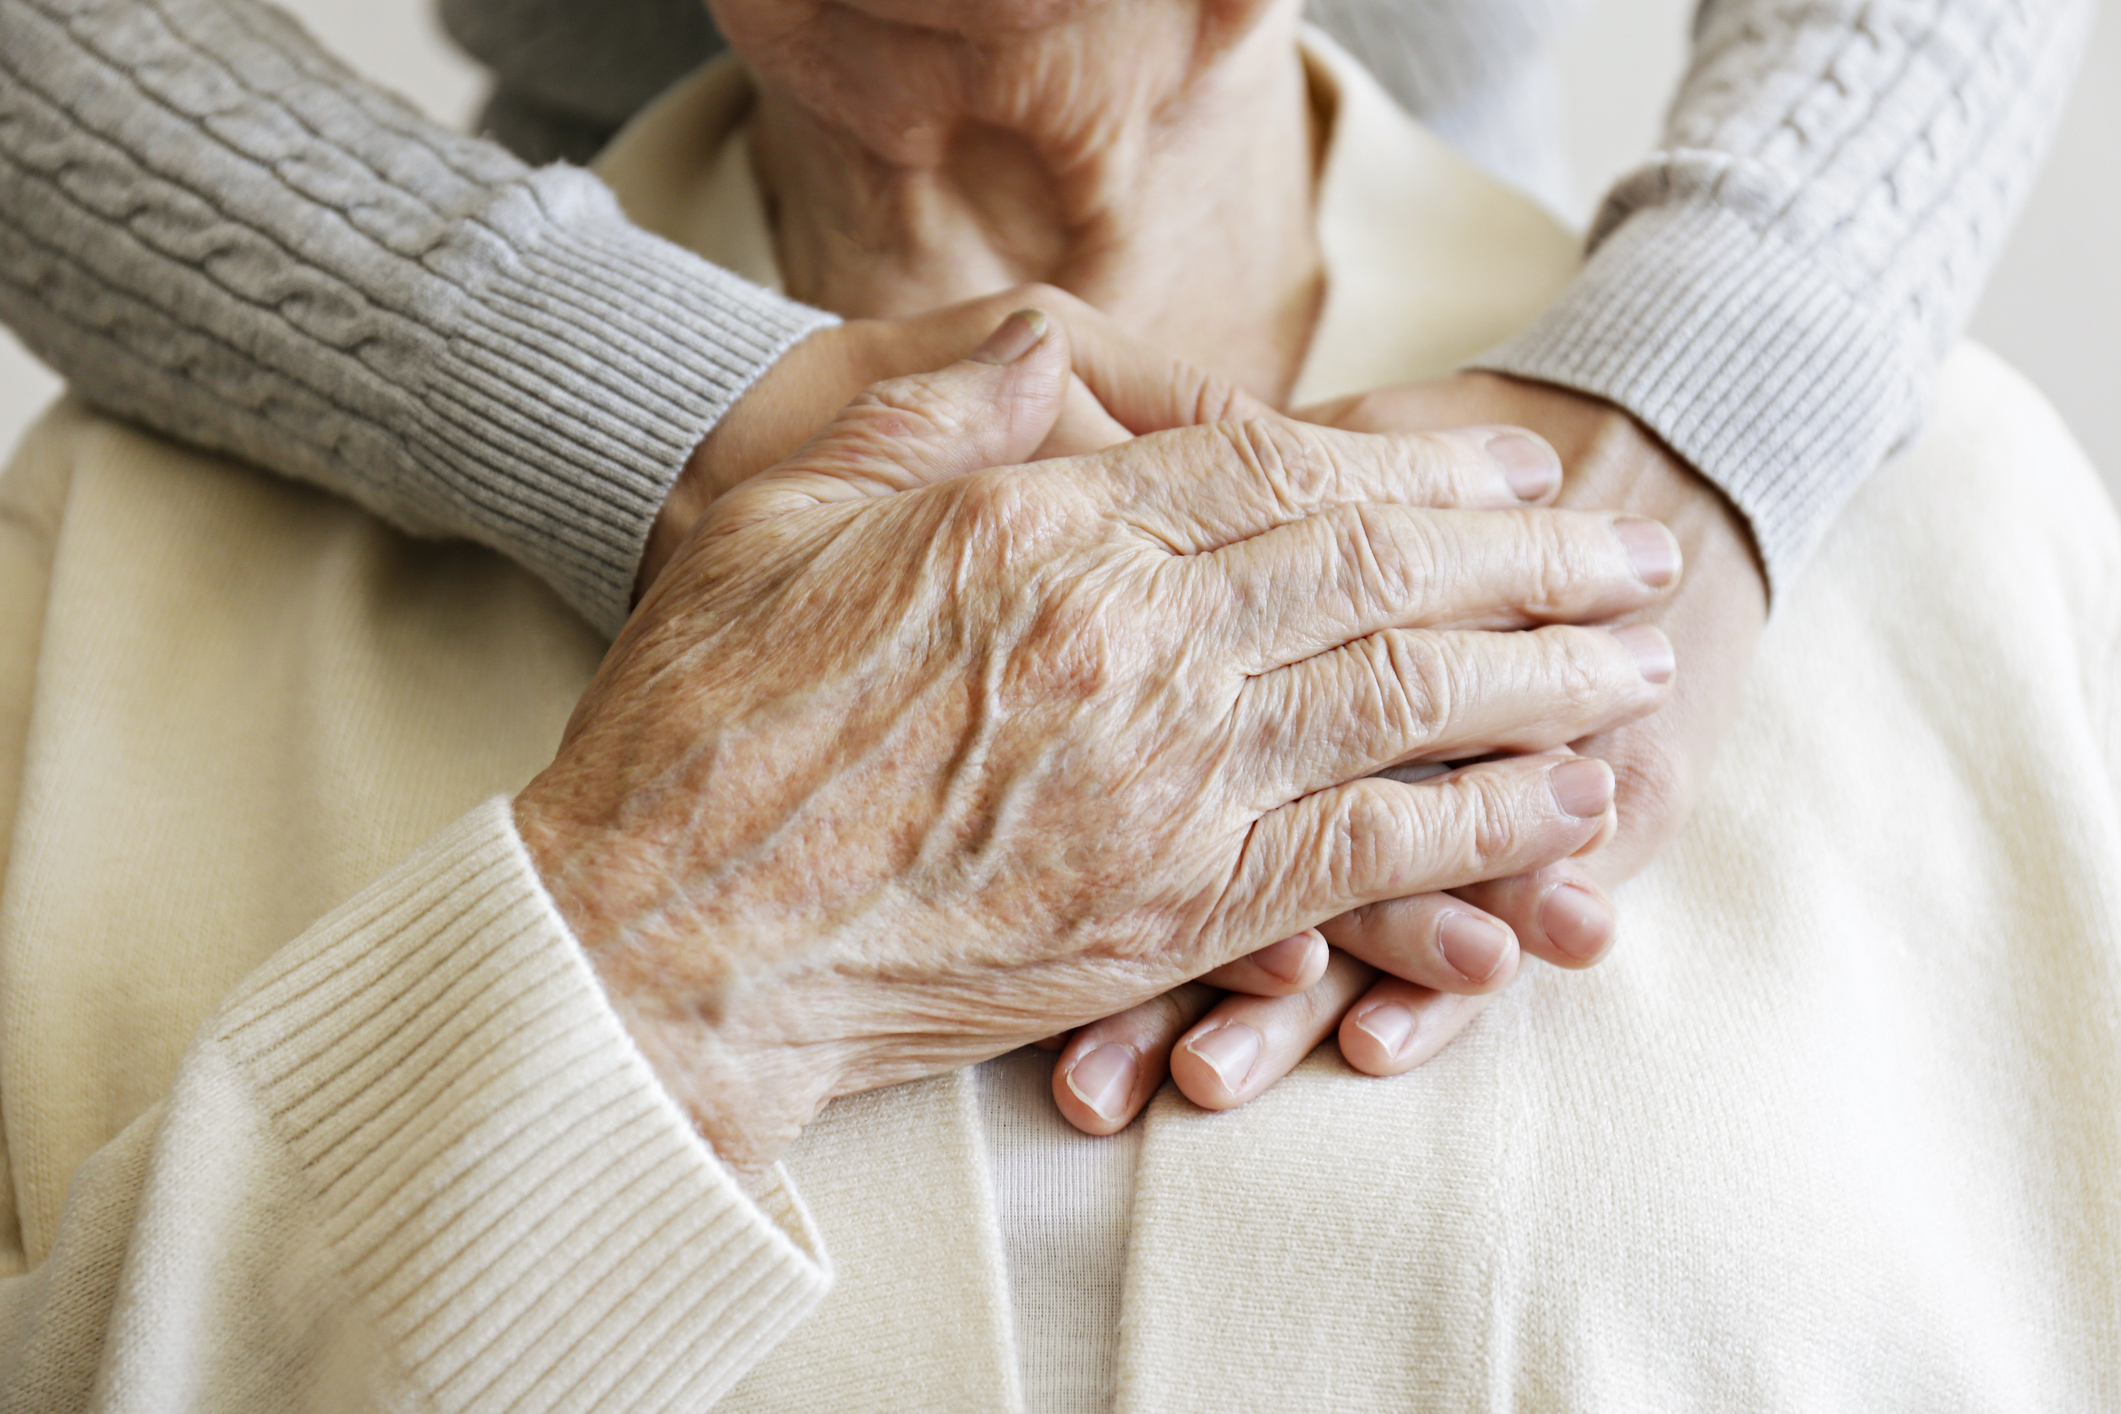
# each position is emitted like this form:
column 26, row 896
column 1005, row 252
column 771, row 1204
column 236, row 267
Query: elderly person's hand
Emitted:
column 1222, row 1051
column 1120, row 387
column 1713, row 619
column 882, row 781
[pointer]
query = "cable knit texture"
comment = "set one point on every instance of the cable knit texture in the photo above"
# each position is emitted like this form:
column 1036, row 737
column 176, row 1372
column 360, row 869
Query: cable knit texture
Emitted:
column 207, row 225
column 1774, row 291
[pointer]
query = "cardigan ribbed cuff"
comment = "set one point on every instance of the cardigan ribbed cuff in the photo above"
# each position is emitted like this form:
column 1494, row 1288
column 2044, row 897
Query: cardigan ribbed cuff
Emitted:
column 584, row 363
column 1748, row 356
column 505, row 1187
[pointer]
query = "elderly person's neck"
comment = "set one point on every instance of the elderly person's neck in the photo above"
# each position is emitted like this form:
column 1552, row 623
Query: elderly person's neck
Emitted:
column 1153, row 156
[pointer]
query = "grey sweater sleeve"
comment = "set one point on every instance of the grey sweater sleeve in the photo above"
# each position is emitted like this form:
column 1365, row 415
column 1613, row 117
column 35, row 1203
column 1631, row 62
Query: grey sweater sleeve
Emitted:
column 1774, row 290
column 208, row 225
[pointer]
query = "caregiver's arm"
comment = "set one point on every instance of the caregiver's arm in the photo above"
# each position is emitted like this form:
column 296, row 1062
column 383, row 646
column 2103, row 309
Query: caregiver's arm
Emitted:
column 415, row 1160
column 1771, row 292
column 210, row 226
column 1762, row 316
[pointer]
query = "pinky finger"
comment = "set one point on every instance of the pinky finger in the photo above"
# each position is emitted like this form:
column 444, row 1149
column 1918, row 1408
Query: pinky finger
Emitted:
column 1398, row 1026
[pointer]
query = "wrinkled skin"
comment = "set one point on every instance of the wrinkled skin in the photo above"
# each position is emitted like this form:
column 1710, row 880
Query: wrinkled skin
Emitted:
column 1092, row 728
column 1298, row 992
column 1120, row 387
column 1387, row 1023
column 1713, row 619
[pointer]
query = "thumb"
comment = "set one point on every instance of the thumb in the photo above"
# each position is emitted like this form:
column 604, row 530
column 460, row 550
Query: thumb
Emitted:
column 992, row 408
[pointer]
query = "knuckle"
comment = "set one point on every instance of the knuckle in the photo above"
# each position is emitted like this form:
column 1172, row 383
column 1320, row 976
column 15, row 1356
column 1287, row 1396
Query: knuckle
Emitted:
column 1361, row 573
column 1368, row 841
column 1389, row 558
column 1415, row 686
column 1071, row 649
column 910, row 405
column 1000, row 532
column 1581, row 668
column 1553, row 544
column 1440, row 467
column 1488, row 816
column 1215, row 399
column 994, row 502
column 1294, row 463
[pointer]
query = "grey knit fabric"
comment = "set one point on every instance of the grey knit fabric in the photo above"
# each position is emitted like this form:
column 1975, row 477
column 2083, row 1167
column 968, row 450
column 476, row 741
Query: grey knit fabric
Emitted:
column 1774, row 290
column 208, row 225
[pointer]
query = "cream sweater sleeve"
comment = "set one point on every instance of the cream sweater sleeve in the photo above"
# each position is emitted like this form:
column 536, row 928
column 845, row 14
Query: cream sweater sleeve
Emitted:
column 1774, row 290
column 410, row 1159
column 209, row 226
column 414, row 1162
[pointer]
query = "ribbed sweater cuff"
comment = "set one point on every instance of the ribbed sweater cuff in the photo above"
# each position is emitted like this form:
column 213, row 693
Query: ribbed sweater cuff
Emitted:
column 505, row 1186
column 586, row 362
column 1746, row 355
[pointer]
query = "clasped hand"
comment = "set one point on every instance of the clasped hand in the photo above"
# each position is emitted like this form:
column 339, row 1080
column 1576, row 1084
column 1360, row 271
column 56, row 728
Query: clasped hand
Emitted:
column 915, row 754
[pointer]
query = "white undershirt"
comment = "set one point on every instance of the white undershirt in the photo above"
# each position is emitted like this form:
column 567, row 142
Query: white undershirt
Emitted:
column 1064, row 1199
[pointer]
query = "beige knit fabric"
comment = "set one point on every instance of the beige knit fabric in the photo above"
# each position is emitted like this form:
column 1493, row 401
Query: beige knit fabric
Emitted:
column 1834, row 1130
column 412, row 1158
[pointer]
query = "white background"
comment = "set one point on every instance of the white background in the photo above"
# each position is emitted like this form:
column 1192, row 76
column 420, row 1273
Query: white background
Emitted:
column 2053, row 306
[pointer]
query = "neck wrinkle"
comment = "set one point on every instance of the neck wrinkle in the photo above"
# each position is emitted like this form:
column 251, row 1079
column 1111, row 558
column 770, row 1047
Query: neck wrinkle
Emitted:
column 1183, row 206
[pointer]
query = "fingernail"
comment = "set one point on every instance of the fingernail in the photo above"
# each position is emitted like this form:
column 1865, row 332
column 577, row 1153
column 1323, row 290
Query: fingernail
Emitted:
column 1651, row 550
column 1229, row 1051
column 1017, row 336
column 1528, row 464
column 1577, row 921
column 1474, row 947
column 1102, row 1080
column 1388, row 1024
column 1651, row 650
column 1289, row 958
column 1582, row 787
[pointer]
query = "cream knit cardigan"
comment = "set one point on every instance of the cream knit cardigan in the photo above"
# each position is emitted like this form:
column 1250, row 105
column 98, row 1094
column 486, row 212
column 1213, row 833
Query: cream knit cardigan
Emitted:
column 1837, row 1128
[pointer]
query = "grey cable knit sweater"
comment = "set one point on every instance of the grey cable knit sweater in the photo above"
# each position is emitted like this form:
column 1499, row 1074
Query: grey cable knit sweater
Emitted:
column 210, row 226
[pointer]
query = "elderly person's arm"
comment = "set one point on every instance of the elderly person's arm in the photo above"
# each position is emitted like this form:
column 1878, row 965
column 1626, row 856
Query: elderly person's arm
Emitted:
column 427, row 1152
